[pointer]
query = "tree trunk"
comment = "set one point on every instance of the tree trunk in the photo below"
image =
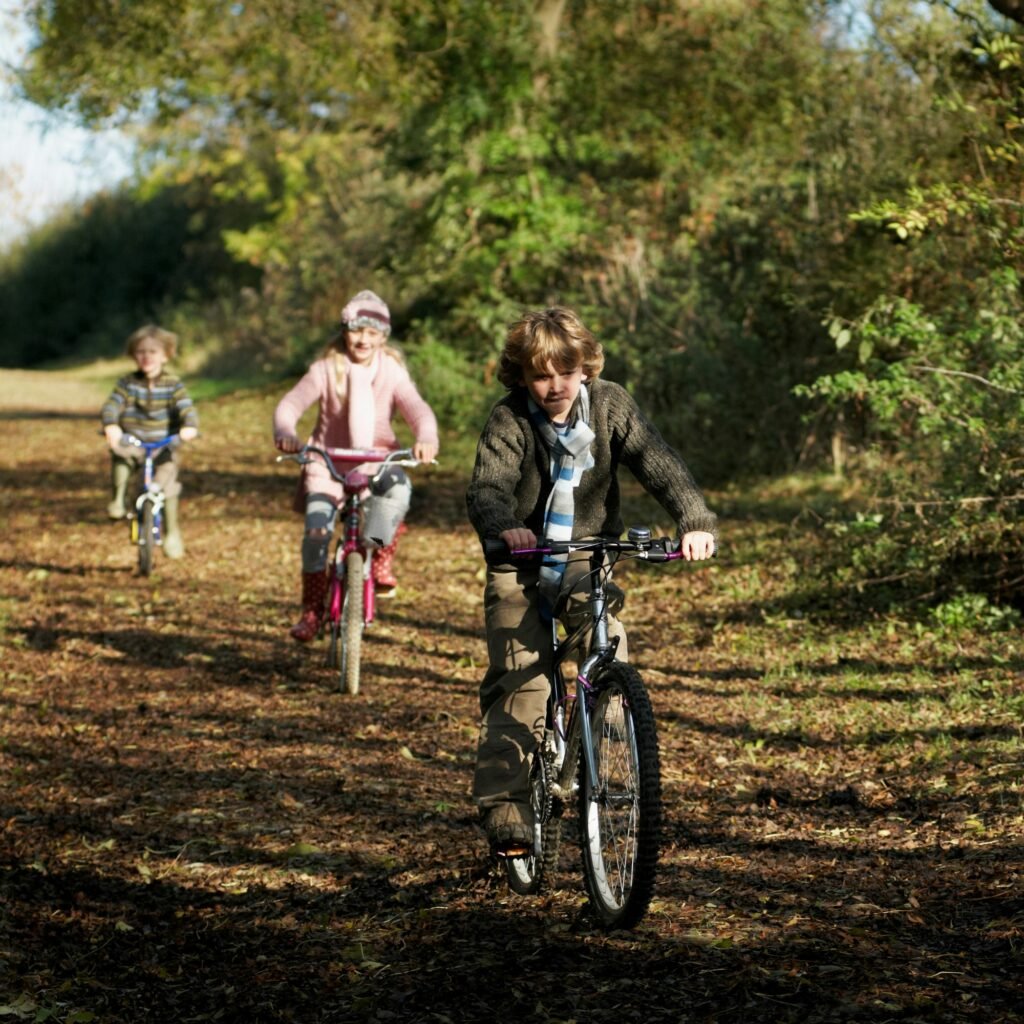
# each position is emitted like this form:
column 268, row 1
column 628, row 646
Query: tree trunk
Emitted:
column 1011, row 8
column 839, row 447
column 549, row 18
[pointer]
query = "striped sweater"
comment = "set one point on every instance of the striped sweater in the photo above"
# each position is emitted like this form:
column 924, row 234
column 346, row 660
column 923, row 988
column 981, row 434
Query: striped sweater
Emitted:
column 151, row 410
column 511, row 481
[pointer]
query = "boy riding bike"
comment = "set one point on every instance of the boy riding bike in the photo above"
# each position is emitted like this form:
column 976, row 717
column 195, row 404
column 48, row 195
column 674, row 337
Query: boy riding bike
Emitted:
column 546, row 466
column 150, row 404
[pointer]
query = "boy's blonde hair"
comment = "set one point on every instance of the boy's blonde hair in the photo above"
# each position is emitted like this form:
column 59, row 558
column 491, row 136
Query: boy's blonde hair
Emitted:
column 168, row 340
column 557, row 336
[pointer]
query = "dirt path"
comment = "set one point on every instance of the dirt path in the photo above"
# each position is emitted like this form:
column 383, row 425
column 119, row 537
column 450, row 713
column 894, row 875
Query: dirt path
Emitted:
column 57, row 393
column 195, row 825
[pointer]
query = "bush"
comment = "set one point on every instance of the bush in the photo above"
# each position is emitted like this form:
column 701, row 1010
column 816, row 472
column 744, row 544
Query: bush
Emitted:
column 452, row 384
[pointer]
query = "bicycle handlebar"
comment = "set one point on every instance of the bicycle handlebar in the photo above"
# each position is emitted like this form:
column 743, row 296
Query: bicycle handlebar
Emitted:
column 397, row 457
column 362, row 454
column 152, row 447
column 650, row 549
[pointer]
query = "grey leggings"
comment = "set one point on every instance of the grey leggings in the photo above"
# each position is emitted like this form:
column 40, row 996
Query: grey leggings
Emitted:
column 383, row 511
column 321, row 512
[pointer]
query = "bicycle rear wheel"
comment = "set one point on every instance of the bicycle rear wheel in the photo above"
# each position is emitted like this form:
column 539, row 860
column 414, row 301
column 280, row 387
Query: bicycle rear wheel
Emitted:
column 147, row 538
column 620, row 820
column 352, row 622
column 532, row 873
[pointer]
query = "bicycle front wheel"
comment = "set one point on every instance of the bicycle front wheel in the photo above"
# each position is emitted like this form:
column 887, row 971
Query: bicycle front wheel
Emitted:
column 147, row 538
column 352, row 622
column 620, row 819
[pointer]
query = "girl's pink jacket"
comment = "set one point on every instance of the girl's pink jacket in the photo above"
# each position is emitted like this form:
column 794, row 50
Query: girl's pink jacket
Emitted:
column 392, row 389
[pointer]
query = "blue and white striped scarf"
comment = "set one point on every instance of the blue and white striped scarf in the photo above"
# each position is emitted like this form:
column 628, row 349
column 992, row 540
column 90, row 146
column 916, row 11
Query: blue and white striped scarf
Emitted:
column 570, row 458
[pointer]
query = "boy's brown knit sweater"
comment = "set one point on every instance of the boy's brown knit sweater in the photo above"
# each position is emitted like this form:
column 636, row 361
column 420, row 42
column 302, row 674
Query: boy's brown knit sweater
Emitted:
column 511, row 477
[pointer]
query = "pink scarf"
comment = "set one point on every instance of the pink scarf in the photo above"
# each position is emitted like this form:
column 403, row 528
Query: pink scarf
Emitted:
column 362, row 408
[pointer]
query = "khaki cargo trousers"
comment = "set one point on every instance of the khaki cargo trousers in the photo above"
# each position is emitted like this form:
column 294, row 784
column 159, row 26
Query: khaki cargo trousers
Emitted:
column 514, row 691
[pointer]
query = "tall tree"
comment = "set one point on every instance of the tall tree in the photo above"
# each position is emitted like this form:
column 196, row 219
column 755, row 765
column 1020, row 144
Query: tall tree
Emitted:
column 1011, row 8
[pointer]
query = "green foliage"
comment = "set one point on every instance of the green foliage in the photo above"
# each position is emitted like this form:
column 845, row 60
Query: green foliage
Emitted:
column 793, row 238
column 83, row 283
column 968, row 611
column 935, row 382
column 453, row 386
column 941, row 405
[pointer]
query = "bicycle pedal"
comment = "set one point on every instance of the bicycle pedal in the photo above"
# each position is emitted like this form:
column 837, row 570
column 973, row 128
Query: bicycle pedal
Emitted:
column 512, row 851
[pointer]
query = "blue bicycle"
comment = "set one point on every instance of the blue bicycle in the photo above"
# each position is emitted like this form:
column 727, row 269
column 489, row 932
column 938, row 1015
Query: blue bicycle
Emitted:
column 147, row 514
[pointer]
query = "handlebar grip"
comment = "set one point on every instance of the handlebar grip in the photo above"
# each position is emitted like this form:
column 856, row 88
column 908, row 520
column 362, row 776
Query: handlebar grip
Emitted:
column 496, row 551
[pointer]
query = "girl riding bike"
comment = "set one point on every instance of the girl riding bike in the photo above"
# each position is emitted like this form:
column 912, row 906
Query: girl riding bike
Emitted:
column 359, row 383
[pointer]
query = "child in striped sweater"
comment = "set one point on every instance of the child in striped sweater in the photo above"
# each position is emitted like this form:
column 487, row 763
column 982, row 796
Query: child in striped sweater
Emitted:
column 149, row 404
column 359, row 384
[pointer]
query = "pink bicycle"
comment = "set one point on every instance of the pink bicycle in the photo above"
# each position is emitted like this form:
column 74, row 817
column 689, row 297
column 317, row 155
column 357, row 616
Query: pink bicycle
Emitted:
column 351, row 603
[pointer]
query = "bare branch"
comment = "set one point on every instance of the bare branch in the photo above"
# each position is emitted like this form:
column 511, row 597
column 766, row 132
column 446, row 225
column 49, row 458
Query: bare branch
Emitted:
column 969, row 376
column 979, row 499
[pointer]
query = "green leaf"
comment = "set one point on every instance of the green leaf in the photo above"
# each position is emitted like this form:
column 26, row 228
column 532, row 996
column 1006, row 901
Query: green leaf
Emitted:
column 303, row 849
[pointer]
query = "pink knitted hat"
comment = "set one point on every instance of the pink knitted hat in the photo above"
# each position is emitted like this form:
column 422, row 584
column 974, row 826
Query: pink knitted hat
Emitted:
column 367, row 310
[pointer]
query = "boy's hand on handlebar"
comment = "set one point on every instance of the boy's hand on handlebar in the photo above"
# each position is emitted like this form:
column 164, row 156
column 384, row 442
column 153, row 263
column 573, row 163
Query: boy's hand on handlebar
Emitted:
column 519, row 538
column 287, row 443
column 188, row 433
column 697, row 545
column 113, row 433
column 424, row 452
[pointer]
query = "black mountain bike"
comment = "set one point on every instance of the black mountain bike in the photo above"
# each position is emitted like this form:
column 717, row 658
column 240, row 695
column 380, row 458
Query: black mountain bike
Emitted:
column 600, row 747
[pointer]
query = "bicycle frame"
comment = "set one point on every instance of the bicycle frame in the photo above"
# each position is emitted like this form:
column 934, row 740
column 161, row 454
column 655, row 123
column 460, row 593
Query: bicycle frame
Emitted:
column 354, row 483
column 150, row 491
column 601, row 649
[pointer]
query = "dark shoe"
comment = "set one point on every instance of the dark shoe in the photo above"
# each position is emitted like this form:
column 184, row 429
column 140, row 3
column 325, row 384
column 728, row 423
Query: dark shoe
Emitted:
column 512, row 841
column 508, row 838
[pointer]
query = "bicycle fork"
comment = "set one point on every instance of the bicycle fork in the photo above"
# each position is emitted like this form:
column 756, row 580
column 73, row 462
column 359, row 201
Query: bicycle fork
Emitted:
column 155, row 497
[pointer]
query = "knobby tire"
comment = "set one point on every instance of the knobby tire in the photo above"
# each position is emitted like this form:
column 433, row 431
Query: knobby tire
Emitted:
column 352, row 622
column 620, row 822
